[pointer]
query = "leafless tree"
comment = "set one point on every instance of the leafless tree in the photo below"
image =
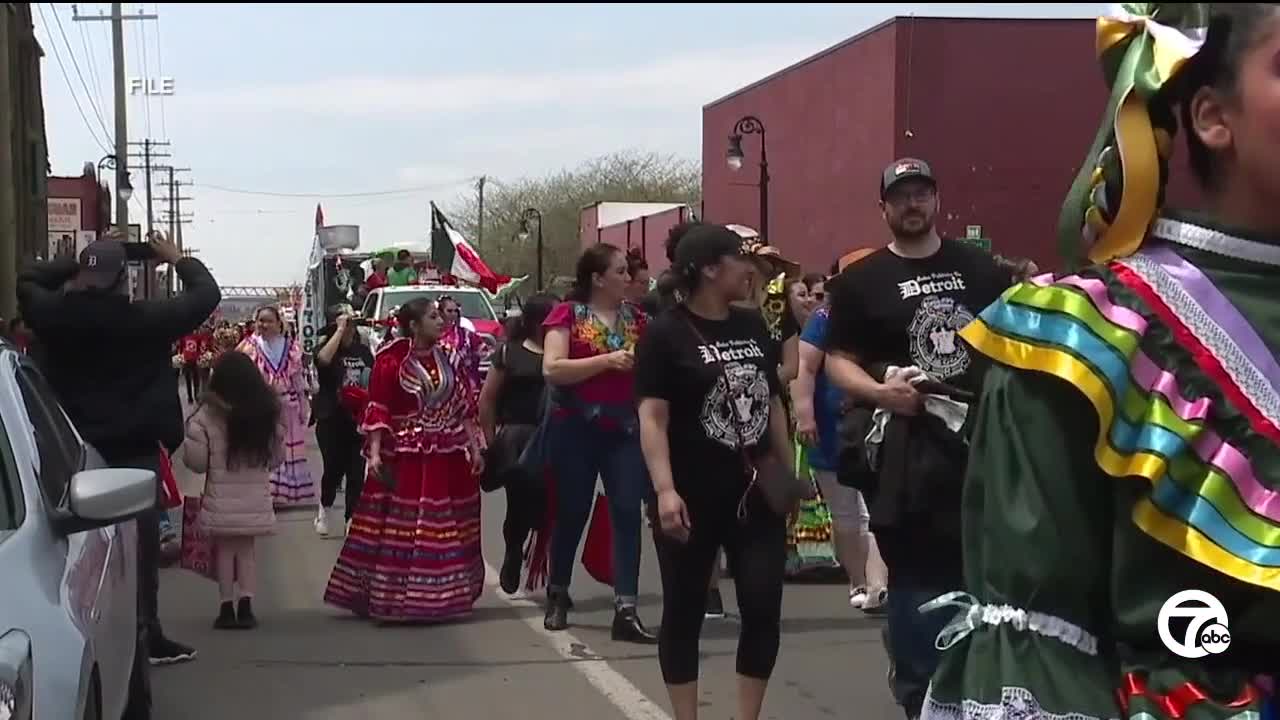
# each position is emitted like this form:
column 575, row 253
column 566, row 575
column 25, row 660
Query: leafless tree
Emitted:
column 628, row 176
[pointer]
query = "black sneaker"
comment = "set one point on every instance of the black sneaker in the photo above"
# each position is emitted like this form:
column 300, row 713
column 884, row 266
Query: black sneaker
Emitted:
column 244, row 615
column 226, row 617
column 715, row 605
column 167, row 652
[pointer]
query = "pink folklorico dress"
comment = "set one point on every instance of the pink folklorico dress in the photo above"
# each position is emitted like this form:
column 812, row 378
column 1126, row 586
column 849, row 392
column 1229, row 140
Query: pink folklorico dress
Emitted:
column 291, row 484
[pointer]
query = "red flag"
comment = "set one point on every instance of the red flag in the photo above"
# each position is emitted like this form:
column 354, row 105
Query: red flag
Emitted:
column 319, row 217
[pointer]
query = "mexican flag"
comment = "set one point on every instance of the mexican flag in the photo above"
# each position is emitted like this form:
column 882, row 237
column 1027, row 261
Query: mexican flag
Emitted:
column 453, row 254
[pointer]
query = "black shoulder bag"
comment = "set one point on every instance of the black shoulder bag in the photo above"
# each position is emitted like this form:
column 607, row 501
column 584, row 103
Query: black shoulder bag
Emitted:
column 782, row 490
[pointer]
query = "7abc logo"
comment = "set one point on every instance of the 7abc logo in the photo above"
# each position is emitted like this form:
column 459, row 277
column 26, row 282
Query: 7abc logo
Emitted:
column 1207, row 632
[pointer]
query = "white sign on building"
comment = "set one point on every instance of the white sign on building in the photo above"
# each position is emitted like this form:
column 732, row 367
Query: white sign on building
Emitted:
column 64, row 215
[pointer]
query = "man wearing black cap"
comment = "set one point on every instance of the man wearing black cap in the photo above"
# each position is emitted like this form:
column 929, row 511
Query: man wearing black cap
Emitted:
column 109, row 361
column 903, row 306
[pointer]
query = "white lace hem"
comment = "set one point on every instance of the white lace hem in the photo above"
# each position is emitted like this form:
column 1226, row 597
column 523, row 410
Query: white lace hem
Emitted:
column 973, row 614
column 1015, row 704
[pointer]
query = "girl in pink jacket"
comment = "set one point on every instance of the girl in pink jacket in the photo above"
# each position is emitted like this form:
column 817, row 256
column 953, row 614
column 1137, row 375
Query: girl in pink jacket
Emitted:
column 235, row 437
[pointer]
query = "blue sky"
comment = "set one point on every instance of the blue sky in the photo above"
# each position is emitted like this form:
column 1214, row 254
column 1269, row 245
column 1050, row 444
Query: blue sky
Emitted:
column 335, row 98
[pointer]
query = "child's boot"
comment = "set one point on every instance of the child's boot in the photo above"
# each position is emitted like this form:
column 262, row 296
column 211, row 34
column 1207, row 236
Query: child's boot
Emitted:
column 244, row 614
column 226, row 618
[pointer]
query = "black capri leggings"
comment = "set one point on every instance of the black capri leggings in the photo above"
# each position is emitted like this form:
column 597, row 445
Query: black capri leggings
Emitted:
column 756, row 550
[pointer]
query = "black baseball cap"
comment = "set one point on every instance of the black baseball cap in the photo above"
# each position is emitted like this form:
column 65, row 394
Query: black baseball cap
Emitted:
column 704, row 244
column 905, row 169
column 102, row 264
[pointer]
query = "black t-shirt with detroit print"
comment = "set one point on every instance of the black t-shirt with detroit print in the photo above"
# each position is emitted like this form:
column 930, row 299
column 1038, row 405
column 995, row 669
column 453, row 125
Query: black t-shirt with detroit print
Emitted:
column 715, row 388
column 892, row 310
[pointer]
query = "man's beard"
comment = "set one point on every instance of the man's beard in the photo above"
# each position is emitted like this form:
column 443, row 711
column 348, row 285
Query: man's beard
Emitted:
column 922, row 228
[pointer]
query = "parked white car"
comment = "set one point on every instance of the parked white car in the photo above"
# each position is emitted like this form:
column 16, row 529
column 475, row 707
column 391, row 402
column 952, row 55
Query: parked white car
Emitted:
column 70, row 646
column 478, row 314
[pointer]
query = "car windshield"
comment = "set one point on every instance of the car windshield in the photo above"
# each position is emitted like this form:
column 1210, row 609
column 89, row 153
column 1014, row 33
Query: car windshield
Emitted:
column 472, row 303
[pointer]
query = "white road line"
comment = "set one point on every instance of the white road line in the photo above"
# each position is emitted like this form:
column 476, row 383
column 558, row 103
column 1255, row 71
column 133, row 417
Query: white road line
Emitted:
column 616, row 688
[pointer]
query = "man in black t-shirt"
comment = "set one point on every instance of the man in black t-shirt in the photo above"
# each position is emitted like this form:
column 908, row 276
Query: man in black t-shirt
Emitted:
column 343, row 365
column 904, row 305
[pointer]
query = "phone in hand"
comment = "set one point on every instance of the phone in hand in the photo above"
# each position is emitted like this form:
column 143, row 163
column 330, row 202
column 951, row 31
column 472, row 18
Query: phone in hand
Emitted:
column 139, row 251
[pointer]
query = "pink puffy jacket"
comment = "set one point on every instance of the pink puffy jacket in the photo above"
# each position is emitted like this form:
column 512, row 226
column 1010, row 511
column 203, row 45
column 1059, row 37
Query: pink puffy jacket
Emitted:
column 236, row 502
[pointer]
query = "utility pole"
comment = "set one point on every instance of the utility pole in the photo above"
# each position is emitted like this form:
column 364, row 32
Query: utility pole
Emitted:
column 480, row 214
column 117, row 18
column 147, row 155
column 175, row 218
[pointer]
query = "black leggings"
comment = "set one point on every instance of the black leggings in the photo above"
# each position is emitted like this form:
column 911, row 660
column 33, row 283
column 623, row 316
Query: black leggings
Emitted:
column 340, row 446
column 193, row 375
column 756, row 550
column 526, row 512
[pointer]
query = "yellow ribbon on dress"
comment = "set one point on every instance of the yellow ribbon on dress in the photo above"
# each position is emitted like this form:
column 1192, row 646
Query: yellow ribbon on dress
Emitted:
column 1141, row 54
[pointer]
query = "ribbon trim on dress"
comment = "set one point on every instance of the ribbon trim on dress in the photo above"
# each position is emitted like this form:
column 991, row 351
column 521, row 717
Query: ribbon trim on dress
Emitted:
column 974, row 614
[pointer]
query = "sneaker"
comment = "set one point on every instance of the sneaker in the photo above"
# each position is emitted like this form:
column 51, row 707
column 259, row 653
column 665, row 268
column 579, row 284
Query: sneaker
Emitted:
column 167, row 652
column 877, row 603
column 858, row 597
column 322, row 522
column 715, row 605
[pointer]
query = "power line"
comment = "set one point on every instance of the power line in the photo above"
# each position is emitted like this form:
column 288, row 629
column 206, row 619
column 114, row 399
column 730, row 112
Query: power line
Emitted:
column 93, row 64
column 146, row 75
column 71, row 88
column 402, row 191
column 75, row 64
column 164, row 129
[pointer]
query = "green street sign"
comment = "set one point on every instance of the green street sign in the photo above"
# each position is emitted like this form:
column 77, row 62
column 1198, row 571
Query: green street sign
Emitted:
column 980, row 242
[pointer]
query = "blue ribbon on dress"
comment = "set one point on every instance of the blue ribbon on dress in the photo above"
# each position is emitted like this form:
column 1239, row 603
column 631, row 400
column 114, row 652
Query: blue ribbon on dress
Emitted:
column 965, row 621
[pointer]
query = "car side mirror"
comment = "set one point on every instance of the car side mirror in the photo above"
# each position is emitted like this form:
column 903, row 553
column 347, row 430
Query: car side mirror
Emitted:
column 103, row 497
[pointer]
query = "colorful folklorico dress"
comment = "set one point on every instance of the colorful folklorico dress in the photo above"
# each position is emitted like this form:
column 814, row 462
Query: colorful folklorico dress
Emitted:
column 471, row 349
column 1127, row 448
column 413, row 551
column 291, row 484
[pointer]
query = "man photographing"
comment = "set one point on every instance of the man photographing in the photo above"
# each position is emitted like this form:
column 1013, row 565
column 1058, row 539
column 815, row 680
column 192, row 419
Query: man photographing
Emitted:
column 109, row 361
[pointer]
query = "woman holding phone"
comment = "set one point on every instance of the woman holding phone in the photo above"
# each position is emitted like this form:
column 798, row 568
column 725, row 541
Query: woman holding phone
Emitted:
column 588, row 359
column 413, row 551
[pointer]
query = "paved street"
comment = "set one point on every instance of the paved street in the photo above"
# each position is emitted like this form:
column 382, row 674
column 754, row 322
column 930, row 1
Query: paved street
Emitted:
column 311, row 662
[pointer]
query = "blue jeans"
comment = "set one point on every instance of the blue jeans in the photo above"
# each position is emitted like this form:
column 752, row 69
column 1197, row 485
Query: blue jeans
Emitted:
column 909, row 637
column 581, row 451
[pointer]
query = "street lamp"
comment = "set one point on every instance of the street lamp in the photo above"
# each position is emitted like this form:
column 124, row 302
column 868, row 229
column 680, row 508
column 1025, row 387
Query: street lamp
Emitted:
column 523, row 236
column 751, row 125
column 125, row 191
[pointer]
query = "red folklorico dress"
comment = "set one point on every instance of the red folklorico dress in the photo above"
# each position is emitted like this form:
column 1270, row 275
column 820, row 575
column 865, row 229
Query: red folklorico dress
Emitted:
column 413, row 551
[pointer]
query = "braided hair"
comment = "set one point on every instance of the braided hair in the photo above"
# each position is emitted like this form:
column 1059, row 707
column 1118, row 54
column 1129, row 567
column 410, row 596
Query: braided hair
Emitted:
column 1120, row 188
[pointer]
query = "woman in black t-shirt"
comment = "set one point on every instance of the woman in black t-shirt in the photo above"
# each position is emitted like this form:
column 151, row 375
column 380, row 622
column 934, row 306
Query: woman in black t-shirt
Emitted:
column 511, row 406
column 706, row 376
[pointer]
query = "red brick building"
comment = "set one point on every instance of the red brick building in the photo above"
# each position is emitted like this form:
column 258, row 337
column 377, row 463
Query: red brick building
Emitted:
column 1004, row 111
column 79, row 211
